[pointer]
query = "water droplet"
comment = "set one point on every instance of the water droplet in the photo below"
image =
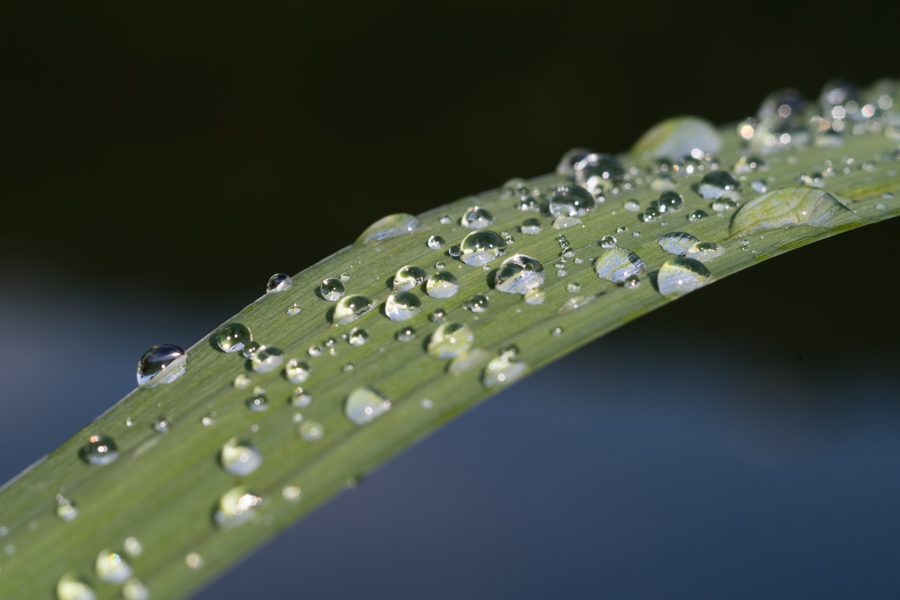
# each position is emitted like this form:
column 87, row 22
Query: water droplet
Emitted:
column 556, row 332
column 357, row 336
column 503, row 370
column 571, row 201
column 790, row 207
column 535, row 296
column 299, row 397
column 129, row 422
column 100, row 450
column 111, row 567
column 161, row 425
column 132, row 546
column 266, row 359
column 291, row 493
column 241, row 381
column 481, row 247
column 446, row 220
column 618, row 264
column 70, row 587
column 608, row 242
column 278, row 283
column 518, row 274
column 350, row 308
column 235, row 508
column 598, row 171
column 258, row 403
column 311, row 431
column 65, row 509
column 678, row 242
column 389, row 227
column 315, row 351
column 161, row 364
column 402, row 306
column 364, row 405
column 297, row 371
column 436, row 242
column 133, row 589
column 450, row 340
column 568, row 161
column 880, row 206
column 531, row 226
column 406, row 334
column 631, row 282
column 749, row 164
column 718, row 184
column 679, row 276
column 293, row 309
column 438, row 315
column 573, row 287
column 476, row 218
column 332, row 289
column 759, row 186
column 705, row 251
column 677, row 137
column 408, row 277
column 723, row 204
column 426, row 403
column 194, row 561
column 477, row 303
column 697, row 215
column 669, row 202
column 233, row 336
column 239, row 457
column 208, row 420
column 345, row 277
column 251, row 348
column 663, row 183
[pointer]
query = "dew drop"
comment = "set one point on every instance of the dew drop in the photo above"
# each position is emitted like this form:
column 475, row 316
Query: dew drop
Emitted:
column 406, row 334
column 266, row 359
column 402, row 306
column 481, row 247
column 436, row 242
column 161, row 425
column 239, row 457
column 535, row 296
column 502, row 371
column 697, row 215
column 389, row 227
column 476, row 218
column 678, row 136
column 66, row 510
column 568, row 161
column 723, row 204
column 350, row 308
column 518, row 274
column 608, row 242
column 311, row 431
column 291, row 493
column 258, row 404
column 315, row 351
column 235, row 508
column 617, row 264
column 573, row 287
column 759, row 186
column 100, row 450
column 438, row 315
column 598, row 170
column 132, row 546
column 358, row 336
column 678, row 242
column 251, row 348
column 161, row 364
column 300, row 397
column 364, row 405
column 70, row 587
column 332, row 289
column 663, row 183
column 293, row 309
column 791, row 207
column 194, row 561
column 129, row 422
column 531, row 226
column 111, row 567
column 679, row 276
column 297, row 371
column 718, row 184
column 278, row 283
column 408, row 277
column 669, row 202
column 571, row 201
column 478, row 303
column 631, row 282
column 208, row 420
column 426, row 403
column 705, row 251
column 241, row 381
column 133, row 589
column 450, row 340
column 233, row 336
column 749, row 164
column 556, row 332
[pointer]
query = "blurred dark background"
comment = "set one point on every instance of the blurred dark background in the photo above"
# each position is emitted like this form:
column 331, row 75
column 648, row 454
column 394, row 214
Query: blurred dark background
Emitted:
column 157, row 164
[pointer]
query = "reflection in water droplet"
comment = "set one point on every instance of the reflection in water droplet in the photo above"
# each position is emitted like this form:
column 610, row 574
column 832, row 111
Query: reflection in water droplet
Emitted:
column 476, row 218
column 70, row 587
column 251, row 348
column 436, row 242
column 518, row 274
column 65, row 509
column 266, row 359
column 481, row 247
column 239, row 457
column 677, row 242
column 364, row 405
column 408, row 277
column 111, row 567
column 717, row 184
column 608, row 242
column 697, row 215
column 278, row 283
column 503, row 370
column 477, row 303
column 297, row 371
column 357, row 336
column 332, row 289
column 631, row 282
column 389, row 227
column 233, row 336
column 100, row 450
column 402, row 306
column 679, row 276
column 571, row 201
column 790, row 207
column 705, row 251
column 450, row 340
column 677, row 137
column 617, row 264
column 235, row 508
column 311, row 431
column 350, row 308
column 161, row 364
column 208, row 420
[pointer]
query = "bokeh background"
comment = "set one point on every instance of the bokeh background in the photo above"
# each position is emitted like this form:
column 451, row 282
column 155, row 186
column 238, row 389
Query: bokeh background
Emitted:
column 157, row 164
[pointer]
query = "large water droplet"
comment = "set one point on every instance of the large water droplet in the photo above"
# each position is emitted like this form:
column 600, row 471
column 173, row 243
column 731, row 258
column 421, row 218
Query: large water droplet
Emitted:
column 236, row 507
column 717, row 184
column 408, row 277
column 481, row 247
column 350, row 308
column 450, row 340
column 278, row 283
column 390, row 227
column 617, row 264
column 790, row 207
column 233, row 336
column 476, row 218
column 678, row 242
column 161, row 364
column 402, row 306
column 677, row 137
column 599, row 171
column 679, row 276
column 364, row 405
column 503, row 370
column 239, row 457
column 100, row 450
column 518, row 274
column 266, row 359
column 571, row 201
column 669, row 202
column 442, row 284
column 111, row 567
column 332, row 289
column 70, row 587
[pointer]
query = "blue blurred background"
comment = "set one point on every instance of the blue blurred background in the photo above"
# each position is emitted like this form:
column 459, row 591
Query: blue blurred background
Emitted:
column 743, row 442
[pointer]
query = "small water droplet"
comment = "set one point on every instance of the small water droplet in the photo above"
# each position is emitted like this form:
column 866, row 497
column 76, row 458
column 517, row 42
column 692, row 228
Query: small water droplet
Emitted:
column 345, row 277
column 621, row 229
column 632, row 205
column 132, row 546
column 208, row 420
column 291, row 493
column 531, row 226
column 568, row 161
column 718, row 184
column 679, row 276
column 402, row 306
column 631, row 282
column 311, row 431
column 481, row 247
column 880, row 206
column 478, row 303
column 450, row 340
column 597, row 171
column 503, row 370
column 100, row 450
column 235, row 508
column 723, row 204
column 573, row 287
column 426, row 403
column 315, row 351
column 350, row 308
column 240, row 457
column 266, row 359
column 438, row 315
column 556, row 332
column 129, row 422
column 297, row 371
column 535, row 296
column 697, row 215
column 617, row 264
column 358, row 337
column 408, row 277
column 749, row 164
column 232, row 337
column 663, row 183
column 278, row 283
column 406, row 334
column 161, row 425
column 241, row 381
column 194, row 561
column 258, row 403
column 436, row 242
column 705, row 251
column 476, row 218
column 110, row 567
column 759, row 186
column 70, row 587
column 518, row 274
column 332, row 289
column 446, row 220
column 389, row 227
column 454, row 251
column 66, row 510
column 133, row 589
column 669, row 202
column 571, row 201
column 161, row 365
